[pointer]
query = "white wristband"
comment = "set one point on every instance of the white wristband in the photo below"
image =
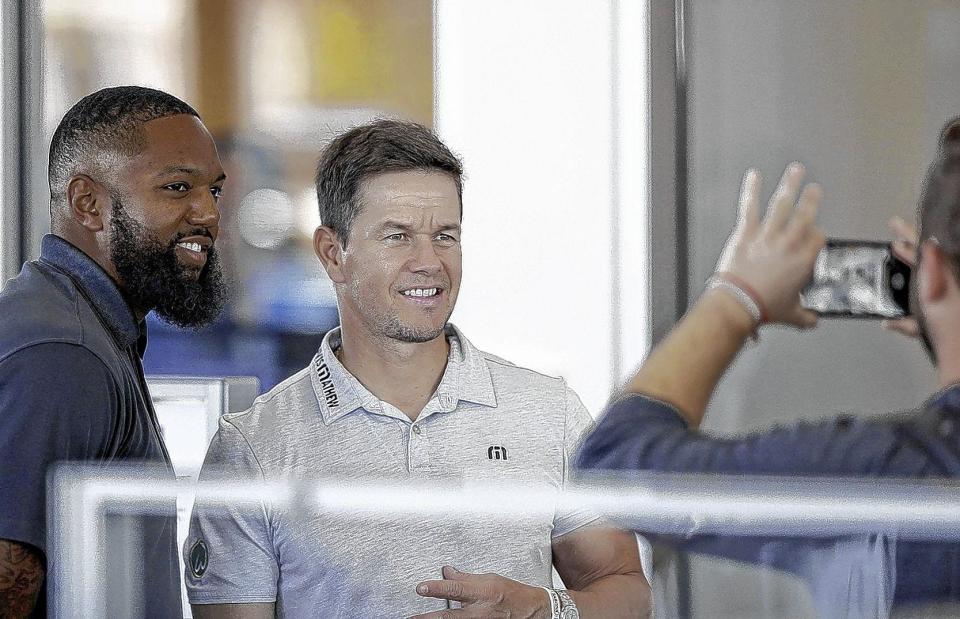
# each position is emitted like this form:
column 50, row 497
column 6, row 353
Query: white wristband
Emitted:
column 739, row 294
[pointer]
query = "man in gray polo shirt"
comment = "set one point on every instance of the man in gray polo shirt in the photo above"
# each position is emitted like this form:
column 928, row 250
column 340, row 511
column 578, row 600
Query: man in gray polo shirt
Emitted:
column 398, row 396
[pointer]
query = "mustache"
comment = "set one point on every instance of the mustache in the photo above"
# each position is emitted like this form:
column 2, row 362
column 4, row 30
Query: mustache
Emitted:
column 443, row 283
column 192, row 232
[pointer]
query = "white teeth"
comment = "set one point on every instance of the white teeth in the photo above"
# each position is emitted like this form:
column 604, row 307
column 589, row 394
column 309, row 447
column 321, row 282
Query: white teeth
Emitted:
column 420, row 292
column 191, row 246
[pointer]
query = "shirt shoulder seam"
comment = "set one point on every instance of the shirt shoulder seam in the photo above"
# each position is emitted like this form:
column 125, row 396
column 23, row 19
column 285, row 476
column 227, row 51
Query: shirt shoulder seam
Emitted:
column 271, row 395
column 246, row 442
column 511, row 366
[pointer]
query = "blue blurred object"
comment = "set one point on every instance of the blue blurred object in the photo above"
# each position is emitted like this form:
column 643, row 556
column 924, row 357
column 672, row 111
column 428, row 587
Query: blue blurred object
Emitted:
column 267, row 351
column 293, row 306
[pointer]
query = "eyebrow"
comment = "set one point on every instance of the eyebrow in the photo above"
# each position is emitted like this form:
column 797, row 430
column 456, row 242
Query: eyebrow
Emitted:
column 399, row 225
column 176, row 169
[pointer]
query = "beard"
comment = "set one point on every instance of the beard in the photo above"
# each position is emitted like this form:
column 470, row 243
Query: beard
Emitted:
column 152, row 278
column 396, row 330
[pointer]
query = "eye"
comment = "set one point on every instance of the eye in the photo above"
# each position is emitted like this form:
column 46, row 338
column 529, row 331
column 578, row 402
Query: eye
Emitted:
column 216, row 192
column 178, row 187
column 445, row 239
column 396, row 236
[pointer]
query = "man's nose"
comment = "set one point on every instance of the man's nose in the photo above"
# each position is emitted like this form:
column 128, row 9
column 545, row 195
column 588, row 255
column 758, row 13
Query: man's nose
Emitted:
column 424, row 258
column 205, row 212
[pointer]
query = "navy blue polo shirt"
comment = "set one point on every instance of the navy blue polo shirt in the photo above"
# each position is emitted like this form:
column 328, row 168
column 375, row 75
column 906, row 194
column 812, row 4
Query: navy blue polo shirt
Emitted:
column 640, row 433
column 72, row 388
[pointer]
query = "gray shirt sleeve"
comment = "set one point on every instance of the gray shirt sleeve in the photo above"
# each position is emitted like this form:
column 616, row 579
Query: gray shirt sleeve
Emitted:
column 229, row 552
column 577, row 424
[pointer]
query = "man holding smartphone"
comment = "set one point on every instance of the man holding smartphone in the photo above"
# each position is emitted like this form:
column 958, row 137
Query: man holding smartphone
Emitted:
column 654, row 424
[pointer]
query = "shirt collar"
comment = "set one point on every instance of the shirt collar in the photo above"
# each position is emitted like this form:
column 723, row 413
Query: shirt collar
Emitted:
column 466, row 378
column 946, row 399
column 98, row 288
column 475, row 384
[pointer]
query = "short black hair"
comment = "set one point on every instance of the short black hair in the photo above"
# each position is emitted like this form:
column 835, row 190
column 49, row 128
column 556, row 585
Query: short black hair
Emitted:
column 374, row 148
column 939, row 210
column 109, row 119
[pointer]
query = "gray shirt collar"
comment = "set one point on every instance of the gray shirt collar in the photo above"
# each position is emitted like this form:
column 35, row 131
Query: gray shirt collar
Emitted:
column 466, row 378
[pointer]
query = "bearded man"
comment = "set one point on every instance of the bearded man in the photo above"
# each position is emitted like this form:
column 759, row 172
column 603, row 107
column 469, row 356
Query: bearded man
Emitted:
column 134, row 182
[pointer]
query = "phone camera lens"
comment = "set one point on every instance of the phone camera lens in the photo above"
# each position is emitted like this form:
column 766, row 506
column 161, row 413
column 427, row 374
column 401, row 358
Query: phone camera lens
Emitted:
column 897, row 281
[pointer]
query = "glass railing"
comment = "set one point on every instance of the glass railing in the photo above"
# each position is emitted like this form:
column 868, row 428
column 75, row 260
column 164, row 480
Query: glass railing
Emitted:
column 803, row 547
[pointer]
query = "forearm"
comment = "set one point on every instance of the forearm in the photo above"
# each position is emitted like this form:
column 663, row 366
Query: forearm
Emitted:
column 21, row 578
column 686, row 367
column 233, row 611
column 615, row 596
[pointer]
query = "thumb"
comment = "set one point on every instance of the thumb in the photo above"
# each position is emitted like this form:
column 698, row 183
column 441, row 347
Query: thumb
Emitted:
column 451, row 573
column 804, row 318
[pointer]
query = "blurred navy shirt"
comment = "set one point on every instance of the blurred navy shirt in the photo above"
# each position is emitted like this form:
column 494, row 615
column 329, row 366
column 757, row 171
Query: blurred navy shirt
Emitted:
column 72, row 388
column 640, row 433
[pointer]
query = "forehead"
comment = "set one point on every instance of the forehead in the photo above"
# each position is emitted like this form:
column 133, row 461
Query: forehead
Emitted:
column 410, row 195
column 179, row 141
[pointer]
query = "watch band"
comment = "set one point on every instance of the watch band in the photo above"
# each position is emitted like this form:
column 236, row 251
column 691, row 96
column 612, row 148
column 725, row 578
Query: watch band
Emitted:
column 568, row 608
column 554, row 602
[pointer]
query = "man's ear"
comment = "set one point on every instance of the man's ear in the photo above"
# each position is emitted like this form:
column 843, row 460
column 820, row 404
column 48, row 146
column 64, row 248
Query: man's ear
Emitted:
column 326, row 244
column 86, row 199
column 934, row 272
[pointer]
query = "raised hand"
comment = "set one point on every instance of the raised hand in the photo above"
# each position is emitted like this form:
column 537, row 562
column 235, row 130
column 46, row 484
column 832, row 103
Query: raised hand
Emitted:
column 774, row 258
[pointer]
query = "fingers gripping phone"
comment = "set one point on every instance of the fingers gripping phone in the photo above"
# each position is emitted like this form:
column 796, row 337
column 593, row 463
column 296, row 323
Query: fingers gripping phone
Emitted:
column 858, row 279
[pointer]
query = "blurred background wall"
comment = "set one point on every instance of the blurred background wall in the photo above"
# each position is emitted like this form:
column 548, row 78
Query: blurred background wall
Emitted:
column 545, row 101
column 273, row 81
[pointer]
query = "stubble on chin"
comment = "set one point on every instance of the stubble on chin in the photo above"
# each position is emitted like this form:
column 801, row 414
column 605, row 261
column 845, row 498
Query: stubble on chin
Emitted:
column 396, row 330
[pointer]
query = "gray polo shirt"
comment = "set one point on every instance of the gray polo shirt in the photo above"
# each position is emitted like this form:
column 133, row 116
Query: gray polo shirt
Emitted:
column 489, row 422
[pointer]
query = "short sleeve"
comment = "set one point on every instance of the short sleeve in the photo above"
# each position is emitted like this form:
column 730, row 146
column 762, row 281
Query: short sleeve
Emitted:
column 229, row 553
column 58, row 402
column 577, row 424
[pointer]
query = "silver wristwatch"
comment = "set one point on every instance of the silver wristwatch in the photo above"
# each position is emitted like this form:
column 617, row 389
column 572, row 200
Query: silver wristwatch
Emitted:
column 554, row 602
column 568, row 608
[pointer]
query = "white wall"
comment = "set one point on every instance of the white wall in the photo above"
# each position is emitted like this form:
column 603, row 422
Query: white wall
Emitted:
column 545, row 101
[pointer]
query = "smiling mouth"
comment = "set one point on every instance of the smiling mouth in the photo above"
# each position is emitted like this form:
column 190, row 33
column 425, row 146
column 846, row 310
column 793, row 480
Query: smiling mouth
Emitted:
column 422, row 293
column 192, row 253
column 194, row 247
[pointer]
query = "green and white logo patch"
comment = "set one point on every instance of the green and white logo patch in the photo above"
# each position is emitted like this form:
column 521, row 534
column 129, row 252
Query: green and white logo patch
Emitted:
column 198, row 558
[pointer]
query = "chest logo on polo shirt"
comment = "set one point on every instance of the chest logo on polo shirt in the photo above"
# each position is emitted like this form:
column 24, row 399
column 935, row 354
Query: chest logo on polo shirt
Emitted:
column 198, row 558
column 327, row 389
column 496, row 452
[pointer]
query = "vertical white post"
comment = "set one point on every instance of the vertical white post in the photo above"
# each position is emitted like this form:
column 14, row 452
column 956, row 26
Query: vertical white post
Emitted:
column 545, row 101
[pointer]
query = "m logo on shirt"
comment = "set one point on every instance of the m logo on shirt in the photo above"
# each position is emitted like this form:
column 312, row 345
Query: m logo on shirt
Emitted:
column 327, row 390
column 496, row 452
column 198, row 558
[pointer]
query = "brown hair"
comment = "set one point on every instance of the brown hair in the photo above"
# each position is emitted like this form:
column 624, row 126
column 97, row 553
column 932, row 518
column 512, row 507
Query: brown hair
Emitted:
column 374, row 148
